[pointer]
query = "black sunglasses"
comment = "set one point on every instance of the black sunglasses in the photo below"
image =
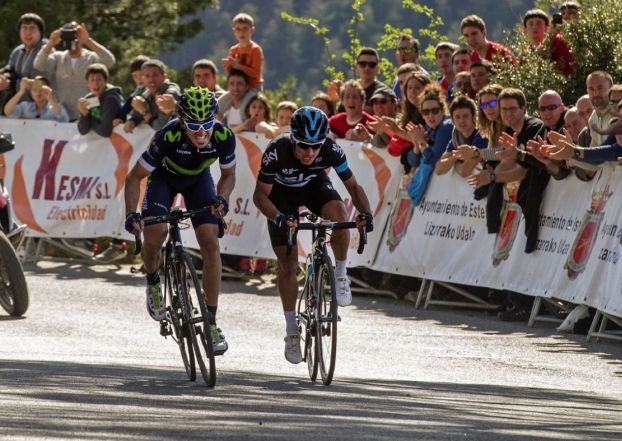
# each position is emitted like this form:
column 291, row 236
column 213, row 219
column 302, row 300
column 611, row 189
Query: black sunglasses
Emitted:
column 550, row 107
column 370, row 64
column 433, row 111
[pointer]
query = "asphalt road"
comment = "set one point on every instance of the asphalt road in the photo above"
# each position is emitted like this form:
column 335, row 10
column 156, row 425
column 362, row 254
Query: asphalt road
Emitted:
column 88, row 363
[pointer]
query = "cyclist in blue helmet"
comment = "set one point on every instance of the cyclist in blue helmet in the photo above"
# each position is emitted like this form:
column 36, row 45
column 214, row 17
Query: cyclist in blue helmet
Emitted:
column 178, row 161
column 293, row 174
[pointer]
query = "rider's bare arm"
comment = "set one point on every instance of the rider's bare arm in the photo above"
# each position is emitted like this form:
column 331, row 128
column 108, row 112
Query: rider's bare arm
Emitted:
column 359, row 198
column 226, row 182
column 132, row 187
column 261, row 200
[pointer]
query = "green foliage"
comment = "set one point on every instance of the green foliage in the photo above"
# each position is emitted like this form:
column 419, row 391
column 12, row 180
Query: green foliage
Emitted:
column 386, row 42
column 287, row 91
column 158, row 25
column 595, row 42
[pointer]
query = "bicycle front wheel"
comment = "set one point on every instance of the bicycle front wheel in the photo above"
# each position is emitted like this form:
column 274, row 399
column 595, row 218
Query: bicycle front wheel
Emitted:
column 13, row 288
column 180, row 328
column 201, row 336
column 326, row 320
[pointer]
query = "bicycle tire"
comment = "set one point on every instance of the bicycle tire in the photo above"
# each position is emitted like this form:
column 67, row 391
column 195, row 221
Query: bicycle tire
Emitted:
column 180, row 327
column 305, row 318
column 326, row 319
column 14, row 296
column 201, row 337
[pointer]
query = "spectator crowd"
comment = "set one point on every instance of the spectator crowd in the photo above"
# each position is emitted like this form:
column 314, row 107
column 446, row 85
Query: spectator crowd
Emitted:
column 454, row 118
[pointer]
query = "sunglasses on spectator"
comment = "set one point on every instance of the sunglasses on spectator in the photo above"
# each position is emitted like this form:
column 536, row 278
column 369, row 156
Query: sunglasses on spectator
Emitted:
column 484, row 105
column 195, row 127
column 433, row 111
column 370, row 64
column 550, row 107
column 406, row 49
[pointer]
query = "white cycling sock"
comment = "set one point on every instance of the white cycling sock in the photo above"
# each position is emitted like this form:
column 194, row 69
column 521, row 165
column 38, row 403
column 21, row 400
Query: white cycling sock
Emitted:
column 290, row 322
column 340, row 268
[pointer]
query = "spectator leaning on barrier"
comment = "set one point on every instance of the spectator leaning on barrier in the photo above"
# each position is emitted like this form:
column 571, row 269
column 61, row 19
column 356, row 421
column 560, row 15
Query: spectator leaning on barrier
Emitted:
column 463, row 150
column 598, row 85
column 573, row 123
column 68, row 67
column 137, row 77
column 350, row 124
column 258, row 118
column 43, row 105
column 205, row 74
column 158, row 103
column 101, row 105
column 488, row 115
column 552, row 111
column 384, row 103
column 21, row 61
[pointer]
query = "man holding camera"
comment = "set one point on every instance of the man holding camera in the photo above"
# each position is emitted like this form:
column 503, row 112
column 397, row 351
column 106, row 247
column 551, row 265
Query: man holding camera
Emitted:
column 42, row 106
column 69, row 65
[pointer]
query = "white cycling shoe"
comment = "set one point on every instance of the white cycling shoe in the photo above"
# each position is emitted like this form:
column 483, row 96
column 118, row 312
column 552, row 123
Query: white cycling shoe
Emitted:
column 293, row 354
column 344, row 294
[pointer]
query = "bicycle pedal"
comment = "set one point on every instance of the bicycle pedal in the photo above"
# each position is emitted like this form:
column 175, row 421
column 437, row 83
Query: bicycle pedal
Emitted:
column 165, row 329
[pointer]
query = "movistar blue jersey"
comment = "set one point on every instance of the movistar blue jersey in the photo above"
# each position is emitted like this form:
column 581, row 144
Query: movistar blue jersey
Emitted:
column 174, row 154
column 280, row 166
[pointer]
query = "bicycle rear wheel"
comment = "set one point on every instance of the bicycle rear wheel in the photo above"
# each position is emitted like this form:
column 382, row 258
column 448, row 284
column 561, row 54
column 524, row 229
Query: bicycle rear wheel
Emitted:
column 201, row 337
column 306, row 320
column 326, row 320
column 181, row 329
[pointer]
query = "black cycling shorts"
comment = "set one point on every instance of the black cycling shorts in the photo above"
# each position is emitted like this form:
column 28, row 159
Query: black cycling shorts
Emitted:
column 198, row 192
column 289, row 199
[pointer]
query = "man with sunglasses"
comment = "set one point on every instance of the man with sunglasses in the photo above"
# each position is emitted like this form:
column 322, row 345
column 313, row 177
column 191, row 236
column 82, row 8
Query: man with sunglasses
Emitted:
column 178, row 161
column 406, row 51
column 367, row 69
column 293, row 174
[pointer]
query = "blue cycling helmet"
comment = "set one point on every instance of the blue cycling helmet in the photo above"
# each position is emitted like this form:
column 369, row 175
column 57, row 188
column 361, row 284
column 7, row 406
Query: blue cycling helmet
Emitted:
column 309, row 125
column 197, row 104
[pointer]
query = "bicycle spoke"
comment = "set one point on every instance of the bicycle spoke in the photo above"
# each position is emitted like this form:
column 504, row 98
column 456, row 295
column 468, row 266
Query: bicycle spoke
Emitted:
column 326, row 316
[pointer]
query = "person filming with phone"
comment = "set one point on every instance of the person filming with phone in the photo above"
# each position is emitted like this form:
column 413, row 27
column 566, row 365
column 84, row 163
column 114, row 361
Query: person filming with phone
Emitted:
column 101, row 105
column 43, row 105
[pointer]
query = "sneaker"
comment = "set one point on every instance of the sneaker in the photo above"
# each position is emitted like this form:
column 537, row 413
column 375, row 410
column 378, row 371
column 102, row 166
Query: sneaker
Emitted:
column 111, row 254
column 293, row 354
column 218, row 340
column 344, row 295
column 155, row 302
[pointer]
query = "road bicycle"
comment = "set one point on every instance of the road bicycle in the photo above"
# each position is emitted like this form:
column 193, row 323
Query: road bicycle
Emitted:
column 187, row 319
column 316, row 310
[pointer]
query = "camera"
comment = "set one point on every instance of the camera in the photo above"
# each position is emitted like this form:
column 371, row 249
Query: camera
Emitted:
column 557, row 19
column 68, row 35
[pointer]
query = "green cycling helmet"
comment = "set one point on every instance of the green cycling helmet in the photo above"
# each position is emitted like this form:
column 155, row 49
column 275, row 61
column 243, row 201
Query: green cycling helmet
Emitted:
column 197, row 104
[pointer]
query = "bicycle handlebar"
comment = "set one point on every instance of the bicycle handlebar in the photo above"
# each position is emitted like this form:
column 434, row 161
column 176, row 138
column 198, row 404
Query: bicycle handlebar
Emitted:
column 330, row 225
column 175, row 216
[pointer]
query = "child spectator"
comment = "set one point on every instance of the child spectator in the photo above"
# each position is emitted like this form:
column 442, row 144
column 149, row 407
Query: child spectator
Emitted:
column 284, row 112
column 247, row 55
column 43, row 105
column 258, row 118
column 536, row 26
column 101, row 105
column 137, row 76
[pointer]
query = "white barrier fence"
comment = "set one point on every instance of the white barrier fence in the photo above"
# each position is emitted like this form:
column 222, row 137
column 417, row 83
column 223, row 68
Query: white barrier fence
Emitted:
column 66, row 185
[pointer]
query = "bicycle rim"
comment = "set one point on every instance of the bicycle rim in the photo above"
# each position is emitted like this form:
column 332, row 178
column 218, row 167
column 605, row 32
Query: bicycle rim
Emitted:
column 181, row 329
column 326, row 316
column 305, row 317
column 201, row 337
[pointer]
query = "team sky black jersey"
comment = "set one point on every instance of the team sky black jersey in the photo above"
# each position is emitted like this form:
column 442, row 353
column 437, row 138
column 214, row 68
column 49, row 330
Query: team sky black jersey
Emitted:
column 281, row 166
column 171, row 151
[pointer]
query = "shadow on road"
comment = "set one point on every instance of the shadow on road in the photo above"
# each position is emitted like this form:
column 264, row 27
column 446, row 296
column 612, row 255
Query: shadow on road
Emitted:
column 64, row 401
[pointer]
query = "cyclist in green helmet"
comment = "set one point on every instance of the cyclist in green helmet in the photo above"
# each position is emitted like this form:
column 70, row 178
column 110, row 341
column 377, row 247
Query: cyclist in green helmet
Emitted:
column 178, row 161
